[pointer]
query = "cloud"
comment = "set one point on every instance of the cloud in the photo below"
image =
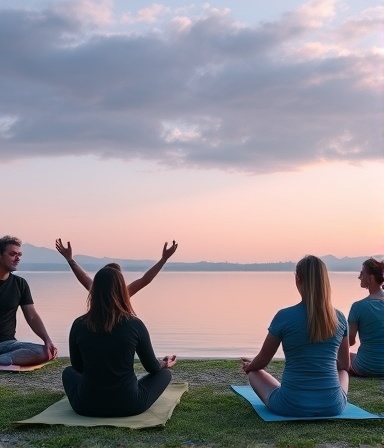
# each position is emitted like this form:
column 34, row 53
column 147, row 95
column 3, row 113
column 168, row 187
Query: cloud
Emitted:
column 86, row 11
column 315, row 13
column 199, row 91
column 146, row 15
column 367, row 26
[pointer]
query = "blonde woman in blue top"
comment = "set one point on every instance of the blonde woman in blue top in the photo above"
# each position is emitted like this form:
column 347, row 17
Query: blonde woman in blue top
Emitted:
column 315, row 343
column 366, row 318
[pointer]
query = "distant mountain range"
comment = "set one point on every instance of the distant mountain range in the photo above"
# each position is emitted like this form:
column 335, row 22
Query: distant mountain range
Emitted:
column 44, row 259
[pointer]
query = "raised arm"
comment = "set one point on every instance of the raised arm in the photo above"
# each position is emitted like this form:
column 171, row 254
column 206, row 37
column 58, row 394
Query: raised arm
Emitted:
column 80, row 274
column 140, row 283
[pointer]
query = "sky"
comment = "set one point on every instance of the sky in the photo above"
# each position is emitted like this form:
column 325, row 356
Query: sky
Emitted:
column 248, row 132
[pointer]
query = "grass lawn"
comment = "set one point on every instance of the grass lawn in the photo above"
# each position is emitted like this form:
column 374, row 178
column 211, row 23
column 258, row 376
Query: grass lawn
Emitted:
column 209, row 415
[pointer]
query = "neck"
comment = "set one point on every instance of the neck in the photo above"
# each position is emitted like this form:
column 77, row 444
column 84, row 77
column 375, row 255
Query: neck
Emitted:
column 376, row 291
column 4, row 274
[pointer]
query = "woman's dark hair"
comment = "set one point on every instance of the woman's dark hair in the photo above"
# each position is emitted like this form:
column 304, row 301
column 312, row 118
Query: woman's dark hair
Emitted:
column 108, row 301
column 375, row 268
column 113, row 265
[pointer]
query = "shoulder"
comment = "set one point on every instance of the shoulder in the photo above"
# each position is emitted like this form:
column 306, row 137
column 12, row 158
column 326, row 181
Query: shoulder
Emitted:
column 135, row 324
column 79, row 321
column 16, row 279
column 135, row 321
column 341, row 316
column 292, row 310
column 131, row 321
column 360, row 304
column 19, row 285
column 289, row 316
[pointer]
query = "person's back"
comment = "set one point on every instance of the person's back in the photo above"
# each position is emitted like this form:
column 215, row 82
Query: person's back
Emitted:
column 102, row 343
column 366, row 318
column 106, row 362
column 368, row 313
column 310, row 380
column 315, row 343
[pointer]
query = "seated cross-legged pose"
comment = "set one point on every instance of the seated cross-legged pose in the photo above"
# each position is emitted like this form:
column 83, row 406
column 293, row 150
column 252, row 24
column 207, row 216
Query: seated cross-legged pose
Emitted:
column 133, row 287
column 366, row 318
column 315, row 343
column 101, row 382
column 15, row 292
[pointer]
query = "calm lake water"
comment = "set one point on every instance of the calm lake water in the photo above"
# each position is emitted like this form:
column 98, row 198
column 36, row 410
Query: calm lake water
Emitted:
column 191, row 314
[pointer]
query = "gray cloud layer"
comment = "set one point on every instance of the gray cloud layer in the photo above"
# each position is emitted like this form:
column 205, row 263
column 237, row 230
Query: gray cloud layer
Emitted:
column 212, row 94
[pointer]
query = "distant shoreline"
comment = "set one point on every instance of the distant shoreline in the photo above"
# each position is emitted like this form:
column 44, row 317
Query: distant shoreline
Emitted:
column 170, row 270
column 43, row 259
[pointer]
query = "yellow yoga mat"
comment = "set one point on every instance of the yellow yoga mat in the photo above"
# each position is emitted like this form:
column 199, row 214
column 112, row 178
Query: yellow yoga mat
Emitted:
column 13, row 368
column 61, row 413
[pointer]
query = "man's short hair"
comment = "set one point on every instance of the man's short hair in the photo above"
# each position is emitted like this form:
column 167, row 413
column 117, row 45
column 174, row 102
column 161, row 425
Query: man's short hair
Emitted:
column 8, row 240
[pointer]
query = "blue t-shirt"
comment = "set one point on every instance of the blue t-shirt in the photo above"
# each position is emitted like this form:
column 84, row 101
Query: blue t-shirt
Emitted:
column 310, row 383
column 368, row 314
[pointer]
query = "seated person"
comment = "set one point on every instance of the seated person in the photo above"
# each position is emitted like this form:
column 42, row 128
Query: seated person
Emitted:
column 102, row 344
column 315, row 343
column 366, row 318
column 15, row 292
column 133, row 287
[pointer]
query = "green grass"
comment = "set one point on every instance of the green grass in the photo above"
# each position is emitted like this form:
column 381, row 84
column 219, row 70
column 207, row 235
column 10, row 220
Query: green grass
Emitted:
column 209, row 415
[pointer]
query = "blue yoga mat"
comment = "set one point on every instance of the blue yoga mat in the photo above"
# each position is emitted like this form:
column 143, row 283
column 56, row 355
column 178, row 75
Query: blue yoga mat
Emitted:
column 350, row 412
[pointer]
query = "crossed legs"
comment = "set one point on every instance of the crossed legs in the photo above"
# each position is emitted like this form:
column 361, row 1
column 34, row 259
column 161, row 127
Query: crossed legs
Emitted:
column 150, row 387
column 22, row 353
column 263, row 383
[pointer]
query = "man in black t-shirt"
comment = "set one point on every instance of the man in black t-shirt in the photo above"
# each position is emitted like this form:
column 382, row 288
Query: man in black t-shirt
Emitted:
column 15, row 292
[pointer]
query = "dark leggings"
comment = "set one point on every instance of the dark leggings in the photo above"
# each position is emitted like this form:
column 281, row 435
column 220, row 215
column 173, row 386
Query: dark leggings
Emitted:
column 149, row 389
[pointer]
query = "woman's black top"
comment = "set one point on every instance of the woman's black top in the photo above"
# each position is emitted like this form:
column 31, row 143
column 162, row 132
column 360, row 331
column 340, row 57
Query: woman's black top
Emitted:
column 105, row 361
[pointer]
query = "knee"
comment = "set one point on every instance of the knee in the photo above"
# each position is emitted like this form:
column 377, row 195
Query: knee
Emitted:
column 68, row 375
column 6, row 360
column 167, row 374
column 65, row 372
column 164, row 376
column 70, row 379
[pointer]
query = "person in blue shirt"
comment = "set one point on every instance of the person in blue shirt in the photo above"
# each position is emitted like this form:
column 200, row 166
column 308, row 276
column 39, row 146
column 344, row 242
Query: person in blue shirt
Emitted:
column 366, row 318
column 314, row 337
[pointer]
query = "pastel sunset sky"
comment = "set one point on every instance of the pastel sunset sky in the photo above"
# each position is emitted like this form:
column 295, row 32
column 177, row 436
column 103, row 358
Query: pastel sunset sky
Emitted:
column 246, row 131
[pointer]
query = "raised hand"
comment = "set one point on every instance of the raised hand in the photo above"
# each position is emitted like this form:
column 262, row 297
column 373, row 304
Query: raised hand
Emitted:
column 66, row 252
column 168, row 252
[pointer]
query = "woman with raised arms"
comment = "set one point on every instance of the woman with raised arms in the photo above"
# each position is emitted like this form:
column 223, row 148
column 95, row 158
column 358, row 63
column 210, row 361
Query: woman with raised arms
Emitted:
column 133, row 287
column 101, row 382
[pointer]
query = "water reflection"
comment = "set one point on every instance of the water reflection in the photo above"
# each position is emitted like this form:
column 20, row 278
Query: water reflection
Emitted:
column 192, row 314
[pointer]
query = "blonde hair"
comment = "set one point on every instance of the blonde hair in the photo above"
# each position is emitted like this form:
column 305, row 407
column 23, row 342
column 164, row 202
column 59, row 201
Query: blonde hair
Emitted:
column 315, row 290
